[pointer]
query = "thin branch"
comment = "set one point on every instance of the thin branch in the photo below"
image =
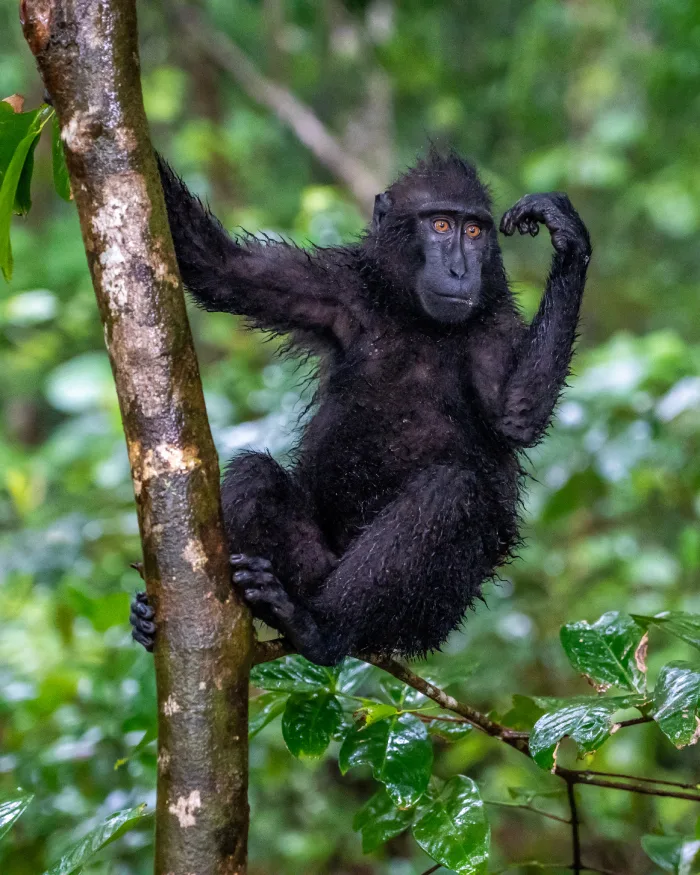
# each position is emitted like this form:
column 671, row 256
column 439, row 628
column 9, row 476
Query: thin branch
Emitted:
column 530, row 808
column 432, row 869
column 590, row 779
column 684, row 786
column 301, row 120
column 518, row 740
column 576, row 865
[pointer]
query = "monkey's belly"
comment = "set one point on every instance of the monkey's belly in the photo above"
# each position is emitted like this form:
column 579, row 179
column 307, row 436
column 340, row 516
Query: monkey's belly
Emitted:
column 356, row 469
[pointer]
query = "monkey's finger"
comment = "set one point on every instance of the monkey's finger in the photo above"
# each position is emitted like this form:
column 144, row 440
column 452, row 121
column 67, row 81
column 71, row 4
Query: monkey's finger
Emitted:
column 534, row 229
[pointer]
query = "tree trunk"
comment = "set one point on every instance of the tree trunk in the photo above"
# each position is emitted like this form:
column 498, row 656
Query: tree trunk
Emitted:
column 87, row 54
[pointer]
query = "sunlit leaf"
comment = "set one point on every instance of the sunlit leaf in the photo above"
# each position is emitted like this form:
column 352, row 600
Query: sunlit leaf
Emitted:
column 611, row 652
column 292, row 674
column 12, row 806
column 677, row 701
column 263, row 709
column 677, row 854
column 309, row 721
column 587, row 720
column 453, row 829
column 399, row 753
column 380, row 820
column 108, row 831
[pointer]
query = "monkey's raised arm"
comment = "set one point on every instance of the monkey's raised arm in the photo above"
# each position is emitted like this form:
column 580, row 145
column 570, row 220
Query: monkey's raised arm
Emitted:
column 276, row 285
column 541, row 360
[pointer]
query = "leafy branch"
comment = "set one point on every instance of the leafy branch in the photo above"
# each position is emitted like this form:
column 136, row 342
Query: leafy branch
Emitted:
column 610, row 653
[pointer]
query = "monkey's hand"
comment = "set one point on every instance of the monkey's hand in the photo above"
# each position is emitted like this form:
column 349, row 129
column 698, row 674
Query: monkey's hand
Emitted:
column 555, row 211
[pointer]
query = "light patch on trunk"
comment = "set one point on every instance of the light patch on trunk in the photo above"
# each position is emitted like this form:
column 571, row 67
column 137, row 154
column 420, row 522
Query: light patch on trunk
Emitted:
column 170, row 706
column 184, row 809
column 163, row 760
column 194, row 555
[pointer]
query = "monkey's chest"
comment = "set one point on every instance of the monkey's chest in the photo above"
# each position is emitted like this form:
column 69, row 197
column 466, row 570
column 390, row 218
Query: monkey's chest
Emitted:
column 358, row 454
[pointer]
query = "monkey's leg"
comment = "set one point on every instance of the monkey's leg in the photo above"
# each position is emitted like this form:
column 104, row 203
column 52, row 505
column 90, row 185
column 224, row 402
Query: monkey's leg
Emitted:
column 272, row 535
column 405, row 583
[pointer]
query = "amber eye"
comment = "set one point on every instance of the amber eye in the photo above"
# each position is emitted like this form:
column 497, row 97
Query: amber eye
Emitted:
column 473, row 231
column 441, row 225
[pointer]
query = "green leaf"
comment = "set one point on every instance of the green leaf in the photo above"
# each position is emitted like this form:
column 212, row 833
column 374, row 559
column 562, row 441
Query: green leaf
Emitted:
column 453, row 829
column 676, row 701
column 13, row 175
column 451, row 730
column 263, row 710
column 352, row 675
column 149, row 736
column 61, row 179
column 587, row 720
column 526, row 711
column 611, row 652
column 677, row 854
column 109, row 830
column 676, row 623
column 292, row 674
column 12, row 806
column 380, row 820
column 399, row 752
column 309, row 721
column 373, row 711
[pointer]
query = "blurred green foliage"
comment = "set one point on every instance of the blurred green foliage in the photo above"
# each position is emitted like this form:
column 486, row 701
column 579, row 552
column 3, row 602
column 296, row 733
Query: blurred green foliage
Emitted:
column 599, row 97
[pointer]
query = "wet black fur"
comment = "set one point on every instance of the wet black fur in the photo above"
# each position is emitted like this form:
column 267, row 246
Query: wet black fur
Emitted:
column 404, row 496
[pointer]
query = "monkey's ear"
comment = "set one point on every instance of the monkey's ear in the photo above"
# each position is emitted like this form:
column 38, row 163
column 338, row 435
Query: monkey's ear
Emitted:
column 382, row 205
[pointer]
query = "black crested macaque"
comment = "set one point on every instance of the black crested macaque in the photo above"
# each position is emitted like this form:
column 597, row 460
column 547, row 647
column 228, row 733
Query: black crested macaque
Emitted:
column 403, row 498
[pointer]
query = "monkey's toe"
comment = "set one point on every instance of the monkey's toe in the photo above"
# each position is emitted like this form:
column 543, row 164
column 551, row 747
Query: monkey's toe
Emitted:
column 141, row 618
column 260, row 589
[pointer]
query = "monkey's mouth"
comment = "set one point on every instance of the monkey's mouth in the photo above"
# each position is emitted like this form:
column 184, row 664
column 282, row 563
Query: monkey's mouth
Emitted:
column 456, row 299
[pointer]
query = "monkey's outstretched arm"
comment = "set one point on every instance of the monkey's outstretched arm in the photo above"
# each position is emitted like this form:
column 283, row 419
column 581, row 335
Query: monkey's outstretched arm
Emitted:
column 541, row 360
column 275, row 285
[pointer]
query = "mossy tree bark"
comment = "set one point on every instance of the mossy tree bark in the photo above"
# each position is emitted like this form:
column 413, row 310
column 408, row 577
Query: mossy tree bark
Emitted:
column 87, row 54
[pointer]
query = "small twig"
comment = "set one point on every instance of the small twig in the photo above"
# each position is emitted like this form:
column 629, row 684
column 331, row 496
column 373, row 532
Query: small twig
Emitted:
column 432, row 869
column 576, row 865
column 589, row 779
column 518, row 740
column 684, row 786
column 527, row 808
column 297, row 116
column 430, row 718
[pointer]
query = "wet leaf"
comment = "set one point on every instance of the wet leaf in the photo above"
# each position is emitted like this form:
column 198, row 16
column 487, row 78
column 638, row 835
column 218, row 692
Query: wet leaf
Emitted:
column 108, row 831
column 380, row 820
column 610, row 652
column 309, row 721
column 292, row 674
column 677, row 854
column 677, row 623
column 587, row 720
column 451, row 730
column 399, row 753
column 12, row 806
column 676, row 703
column 263, row 710
column 453, row 829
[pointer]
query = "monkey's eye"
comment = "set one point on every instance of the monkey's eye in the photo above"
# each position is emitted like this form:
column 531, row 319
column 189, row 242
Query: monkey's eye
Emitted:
column 442, row 226
column 473, row 231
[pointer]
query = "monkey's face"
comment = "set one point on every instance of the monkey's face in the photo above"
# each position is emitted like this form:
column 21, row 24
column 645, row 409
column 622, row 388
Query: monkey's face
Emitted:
column 447, row 254
column 455, row 240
